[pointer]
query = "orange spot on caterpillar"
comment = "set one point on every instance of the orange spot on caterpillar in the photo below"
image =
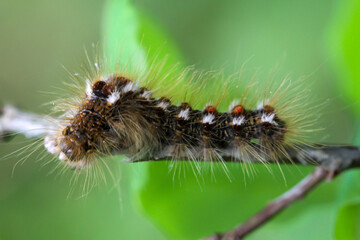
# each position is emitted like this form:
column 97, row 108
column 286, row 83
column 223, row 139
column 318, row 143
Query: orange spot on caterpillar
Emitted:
column 238, row 110
column 210, row 109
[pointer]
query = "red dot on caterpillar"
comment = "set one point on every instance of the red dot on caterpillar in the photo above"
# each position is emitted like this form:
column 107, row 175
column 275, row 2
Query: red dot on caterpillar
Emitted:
column 210, row 109
column 238, row 109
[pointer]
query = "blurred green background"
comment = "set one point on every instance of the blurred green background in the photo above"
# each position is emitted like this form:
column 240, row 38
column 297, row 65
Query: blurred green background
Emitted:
column 318, row 40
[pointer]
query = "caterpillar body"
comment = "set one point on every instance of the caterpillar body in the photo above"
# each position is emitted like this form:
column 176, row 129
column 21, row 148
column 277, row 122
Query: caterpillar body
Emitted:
column 119, row 114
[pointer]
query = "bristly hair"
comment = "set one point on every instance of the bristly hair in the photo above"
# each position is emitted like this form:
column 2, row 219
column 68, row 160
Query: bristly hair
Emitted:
column 169, row 113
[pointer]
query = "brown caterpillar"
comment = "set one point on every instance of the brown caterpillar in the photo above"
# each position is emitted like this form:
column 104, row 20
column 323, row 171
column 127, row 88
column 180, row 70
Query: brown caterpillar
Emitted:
column 117, row 115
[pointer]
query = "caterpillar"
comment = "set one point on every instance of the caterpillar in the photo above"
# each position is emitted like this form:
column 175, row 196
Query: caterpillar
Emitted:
column 144, row 116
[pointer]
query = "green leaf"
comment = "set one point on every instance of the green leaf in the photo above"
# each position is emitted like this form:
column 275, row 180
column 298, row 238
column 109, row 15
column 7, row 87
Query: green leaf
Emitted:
column 120, row 34
column 345, row 47
column 131, row 37
column 348, row 219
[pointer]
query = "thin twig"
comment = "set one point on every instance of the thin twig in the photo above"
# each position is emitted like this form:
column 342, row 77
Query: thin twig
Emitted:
column 332, row 158
column 275, row 207
column 15, row 121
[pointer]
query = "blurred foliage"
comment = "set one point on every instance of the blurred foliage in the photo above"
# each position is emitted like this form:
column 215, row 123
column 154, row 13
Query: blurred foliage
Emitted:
column 344, row 45
column 348, row 218
column 288, row 36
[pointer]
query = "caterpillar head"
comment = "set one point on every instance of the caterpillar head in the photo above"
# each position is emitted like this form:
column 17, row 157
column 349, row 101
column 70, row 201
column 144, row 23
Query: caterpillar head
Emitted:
column 70, row 147
column 90, row 130
column 77, row 142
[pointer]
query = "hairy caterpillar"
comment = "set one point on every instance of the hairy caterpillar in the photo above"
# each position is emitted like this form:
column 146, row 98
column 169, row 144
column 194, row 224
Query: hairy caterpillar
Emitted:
column 145, row 116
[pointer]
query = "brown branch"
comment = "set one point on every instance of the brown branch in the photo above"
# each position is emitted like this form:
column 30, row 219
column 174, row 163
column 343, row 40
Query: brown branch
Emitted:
column 275, row 207
column 14, row 121
column 332, row 158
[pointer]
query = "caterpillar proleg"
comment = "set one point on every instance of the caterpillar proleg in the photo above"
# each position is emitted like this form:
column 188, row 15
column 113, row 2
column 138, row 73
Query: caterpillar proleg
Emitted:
column 145, row 115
